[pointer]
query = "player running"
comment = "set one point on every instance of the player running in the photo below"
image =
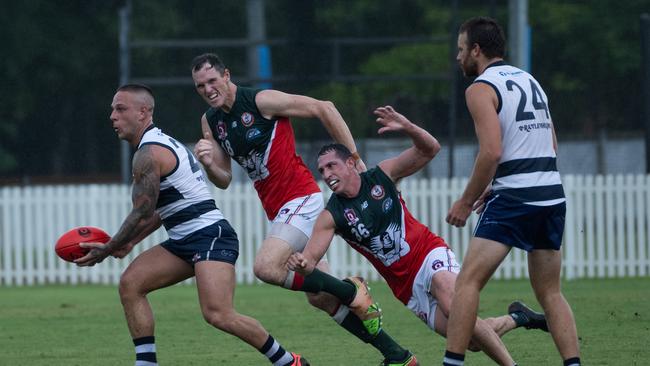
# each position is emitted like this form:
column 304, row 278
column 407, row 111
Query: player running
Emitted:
column 169, row 189
column 253, row 128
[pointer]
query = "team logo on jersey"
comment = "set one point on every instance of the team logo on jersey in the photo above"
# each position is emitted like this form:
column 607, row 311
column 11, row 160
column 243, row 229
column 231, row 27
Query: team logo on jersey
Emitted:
column 196, row 257
column 437, row 264
column 247, row 119
column 221, row 130
column 387, row 204
column 252, row 133
column 350, row 216
column 377, row 192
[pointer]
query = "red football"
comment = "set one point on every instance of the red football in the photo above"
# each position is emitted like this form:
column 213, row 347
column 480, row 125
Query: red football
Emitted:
column 67, row 247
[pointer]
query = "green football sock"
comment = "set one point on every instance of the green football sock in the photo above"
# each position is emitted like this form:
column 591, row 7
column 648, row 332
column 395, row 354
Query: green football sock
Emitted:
column 320, row 281
column 382, row 342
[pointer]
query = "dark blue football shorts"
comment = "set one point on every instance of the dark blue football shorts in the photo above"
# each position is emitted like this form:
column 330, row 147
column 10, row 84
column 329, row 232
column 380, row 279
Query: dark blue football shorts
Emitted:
column 217, row 242
column 519, row 225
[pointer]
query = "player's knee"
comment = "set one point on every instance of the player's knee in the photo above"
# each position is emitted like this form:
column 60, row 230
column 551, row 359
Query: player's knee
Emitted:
column 222, row 320
column 323, row 301
column 550, row 300
column 268, row 272
column 129, row 287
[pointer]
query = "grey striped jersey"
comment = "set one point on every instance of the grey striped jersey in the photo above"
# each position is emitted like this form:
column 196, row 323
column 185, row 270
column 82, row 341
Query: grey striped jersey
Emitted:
column 185, row 203
column 527, row 171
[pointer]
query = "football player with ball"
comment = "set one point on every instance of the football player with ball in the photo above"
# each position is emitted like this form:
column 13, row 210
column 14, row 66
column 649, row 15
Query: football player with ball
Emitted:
column 169, row 189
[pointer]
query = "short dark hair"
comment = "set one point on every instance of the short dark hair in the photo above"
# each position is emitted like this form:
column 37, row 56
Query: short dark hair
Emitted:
column 140, row 88
column 341, row 151
column 210, row 59
column 135, row 88
column 487, row 33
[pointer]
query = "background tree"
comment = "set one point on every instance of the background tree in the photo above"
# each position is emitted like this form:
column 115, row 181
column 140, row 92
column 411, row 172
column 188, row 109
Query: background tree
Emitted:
column 61, row 68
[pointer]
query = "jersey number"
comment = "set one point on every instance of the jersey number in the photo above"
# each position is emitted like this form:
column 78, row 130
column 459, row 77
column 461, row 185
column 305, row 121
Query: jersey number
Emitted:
column 194, row 165
column 360, row 232
column 538, row 101
column 229, row 149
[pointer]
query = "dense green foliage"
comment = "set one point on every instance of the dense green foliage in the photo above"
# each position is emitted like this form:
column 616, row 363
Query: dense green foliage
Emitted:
column 61, row 67
column 84, row 325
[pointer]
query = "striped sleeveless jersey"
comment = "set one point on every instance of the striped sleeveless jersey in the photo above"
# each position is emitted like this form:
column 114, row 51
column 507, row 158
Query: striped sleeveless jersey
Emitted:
column 527, row 171
column 185, row 203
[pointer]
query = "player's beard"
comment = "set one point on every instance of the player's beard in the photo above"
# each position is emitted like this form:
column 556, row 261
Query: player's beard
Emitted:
column 469, row 67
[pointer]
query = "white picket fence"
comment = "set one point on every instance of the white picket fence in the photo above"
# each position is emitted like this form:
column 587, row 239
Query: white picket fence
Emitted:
column 607, row 229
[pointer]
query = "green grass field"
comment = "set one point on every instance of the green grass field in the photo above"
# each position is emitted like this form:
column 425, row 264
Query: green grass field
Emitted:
column 84, row 325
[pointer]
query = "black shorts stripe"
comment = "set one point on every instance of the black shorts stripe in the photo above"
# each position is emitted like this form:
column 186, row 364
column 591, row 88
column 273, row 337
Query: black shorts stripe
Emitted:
column 531, row 165
column 189, row 213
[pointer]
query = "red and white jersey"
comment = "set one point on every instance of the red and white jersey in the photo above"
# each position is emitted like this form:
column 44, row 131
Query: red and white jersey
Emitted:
column 265, row 148
column 378, row 225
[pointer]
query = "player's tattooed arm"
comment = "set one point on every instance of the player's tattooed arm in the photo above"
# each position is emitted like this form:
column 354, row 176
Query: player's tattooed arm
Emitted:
column 146, row 187
column 142, row 219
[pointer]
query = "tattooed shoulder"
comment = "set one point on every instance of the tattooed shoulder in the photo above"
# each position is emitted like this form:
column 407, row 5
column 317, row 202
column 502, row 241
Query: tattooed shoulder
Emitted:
column 146, row 178
column 144, row 163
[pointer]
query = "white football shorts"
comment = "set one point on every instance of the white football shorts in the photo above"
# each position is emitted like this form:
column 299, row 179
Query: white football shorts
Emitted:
column 422, row 304
column 295, row 220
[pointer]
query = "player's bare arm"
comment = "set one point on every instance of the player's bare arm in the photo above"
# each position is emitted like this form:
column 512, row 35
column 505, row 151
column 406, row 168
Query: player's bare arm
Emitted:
column 554, row 137
column 482, row 104
column 274, row 103
column 146, row 187
column 425, row 146
column 149, row 227
column 215, row 161
column 316, row 247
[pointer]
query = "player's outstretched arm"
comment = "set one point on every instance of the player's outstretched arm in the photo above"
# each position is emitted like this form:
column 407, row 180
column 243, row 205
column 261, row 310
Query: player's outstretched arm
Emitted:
column 215, row 161
column 274, row 103
column 316, row 247
column 425, row 146
column 147, row 166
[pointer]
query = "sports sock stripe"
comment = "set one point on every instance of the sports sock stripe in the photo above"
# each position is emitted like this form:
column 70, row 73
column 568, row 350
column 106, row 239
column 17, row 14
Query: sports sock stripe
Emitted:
column 146, row 348
column 574, row 361
column 275, row 353
column 341, row 313
column 145, row 351
column 453, row 359
column 145, row 363
column 144, row 340
column 146, row 356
